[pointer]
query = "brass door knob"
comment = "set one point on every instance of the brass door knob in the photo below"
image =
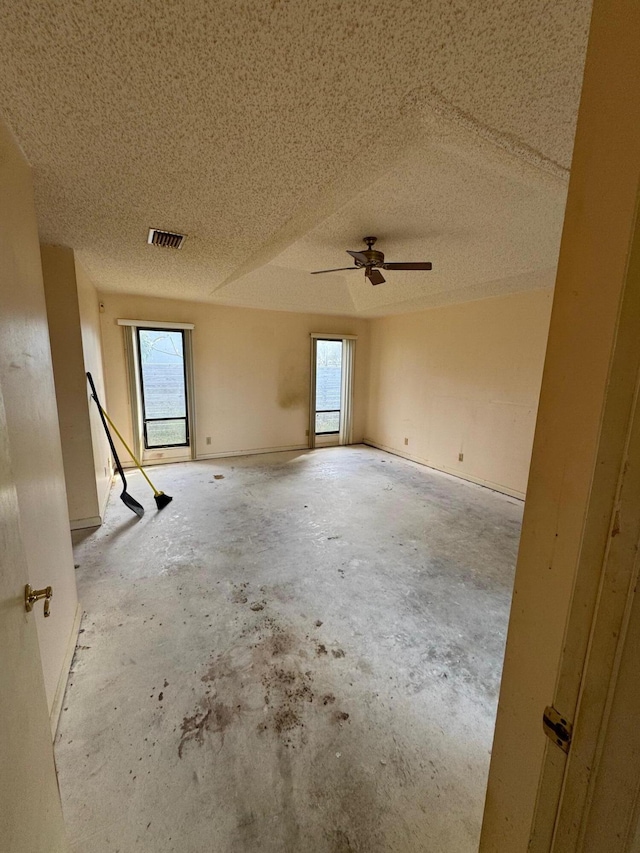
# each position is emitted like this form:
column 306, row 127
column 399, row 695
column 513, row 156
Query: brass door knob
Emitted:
column 33, row 595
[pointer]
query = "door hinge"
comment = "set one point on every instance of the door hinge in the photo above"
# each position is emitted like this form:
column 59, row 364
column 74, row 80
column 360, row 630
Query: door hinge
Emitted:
column 557, row 728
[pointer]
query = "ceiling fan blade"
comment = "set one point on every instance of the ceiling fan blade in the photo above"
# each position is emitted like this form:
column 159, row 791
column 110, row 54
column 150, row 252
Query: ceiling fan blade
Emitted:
column 424, row 265
column 339, row 269
column 359, row 256
column 374, row 275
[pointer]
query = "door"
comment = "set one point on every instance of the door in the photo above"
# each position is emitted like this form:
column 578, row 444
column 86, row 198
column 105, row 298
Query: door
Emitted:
column 328, row 392
column 159, row 357
column 163, row 391
column 332, row 384
column 30, row 809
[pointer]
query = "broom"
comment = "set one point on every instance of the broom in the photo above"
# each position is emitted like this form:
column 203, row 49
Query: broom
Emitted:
column 127, row 499
column 160, row 498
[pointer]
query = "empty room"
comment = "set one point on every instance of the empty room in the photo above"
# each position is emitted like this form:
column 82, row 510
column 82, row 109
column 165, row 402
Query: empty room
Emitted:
column 320, row 468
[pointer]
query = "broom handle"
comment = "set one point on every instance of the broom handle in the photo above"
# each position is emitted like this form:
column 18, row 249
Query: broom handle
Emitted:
column 129, row 450
column 102, row 413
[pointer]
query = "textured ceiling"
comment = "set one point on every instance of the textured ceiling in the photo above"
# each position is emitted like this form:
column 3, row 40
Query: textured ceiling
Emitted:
column 278, row 134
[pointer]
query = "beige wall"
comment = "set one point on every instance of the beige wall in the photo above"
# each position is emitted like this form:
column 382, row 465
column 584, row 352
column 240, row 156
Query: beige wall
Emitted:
column 90, row 331
column 26, row 377
column 413, row 379
column 251, row 370
column 74, row 331
column 461, row 379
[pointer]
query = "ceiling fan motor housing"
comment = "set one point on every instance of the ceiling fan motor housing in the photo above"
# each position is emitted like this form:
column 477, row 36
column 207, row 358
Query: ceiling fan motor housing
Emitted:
column 374, row 259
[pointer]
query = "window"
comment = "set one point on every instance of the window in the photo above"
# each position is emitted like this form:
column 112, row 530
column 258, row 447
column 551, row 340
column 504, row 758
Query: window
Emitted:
column 328, row 386
column 163, row 387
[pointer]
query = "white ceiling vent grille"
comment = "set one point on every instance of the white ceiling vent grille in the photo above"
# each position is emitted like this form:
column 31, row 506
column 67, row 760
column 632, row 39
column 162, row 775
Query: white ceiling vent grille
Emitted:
column 168, row 239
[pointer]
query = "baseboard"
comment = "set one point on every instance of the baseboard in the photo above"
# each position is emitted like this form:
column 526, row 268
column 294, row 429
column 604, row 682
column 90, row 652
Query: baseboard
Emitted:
column 256, row 452
column 128, row 465
column 58, row 698
column 496, row 487
column 105, row 499
column 94, row 520
column 81, row 523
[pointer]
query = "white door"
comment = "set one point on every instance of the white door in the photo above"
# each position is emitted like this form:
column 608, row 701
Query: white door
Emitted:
column 30, row 810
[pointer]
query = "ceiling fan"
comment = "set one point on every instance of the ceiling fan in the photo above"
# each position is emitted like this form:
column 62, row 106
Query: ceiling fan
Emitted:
column 372, row 261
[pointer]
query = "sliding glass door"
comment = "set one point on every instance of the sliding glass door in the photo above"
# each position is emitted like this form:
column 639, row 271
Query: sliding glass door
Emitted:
column 163, row 388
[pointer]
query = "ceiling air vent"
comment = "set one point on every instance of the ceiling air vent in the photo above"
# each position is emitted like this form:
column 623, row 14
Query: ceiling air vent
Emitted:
column 165, row 238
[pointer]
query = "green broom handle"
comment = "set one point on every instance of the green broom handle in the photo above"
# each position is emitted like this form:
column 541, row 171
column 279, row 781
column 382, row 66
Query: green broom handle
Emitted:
column 129, row 451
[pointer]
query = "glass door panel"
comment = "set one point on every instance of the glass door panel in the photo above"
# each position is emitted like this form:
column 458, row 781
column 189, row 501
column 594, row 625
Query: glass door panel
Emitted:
column 163, row 388
column 328, row 386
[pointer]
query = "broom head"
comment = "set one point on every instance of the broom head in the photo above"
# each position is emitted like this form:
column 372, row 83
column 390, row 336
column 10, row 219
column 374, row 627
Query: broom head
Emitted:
column 162, row 500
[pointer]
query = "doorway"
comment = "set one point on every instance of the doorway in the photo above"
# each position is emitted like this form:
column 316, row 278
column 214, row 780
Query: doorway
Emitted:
column 328, row 392
column 161, row 389
column 332, row 361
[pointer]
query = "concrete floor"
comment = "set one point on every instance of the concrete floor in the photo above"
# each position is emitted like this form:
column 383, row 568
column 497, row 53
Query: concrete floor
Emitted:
column 301, row 653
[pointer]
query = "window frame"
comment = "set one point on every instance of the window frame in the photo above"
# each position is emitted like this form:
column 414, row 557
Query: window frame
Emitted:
column 144, row 419
column 320, row 411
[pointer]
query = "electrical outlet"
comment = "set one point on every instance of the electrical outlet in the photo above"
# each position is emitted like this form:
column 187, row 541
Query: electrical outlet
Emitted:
column 306, row 432
column 406, row 441
column 460, row 457
column 208, row 439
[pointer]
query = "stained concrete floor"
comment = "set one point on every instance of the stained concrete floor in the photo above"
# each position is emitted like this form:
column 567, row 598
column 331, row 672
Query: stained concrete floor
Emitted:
column 301, row 653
